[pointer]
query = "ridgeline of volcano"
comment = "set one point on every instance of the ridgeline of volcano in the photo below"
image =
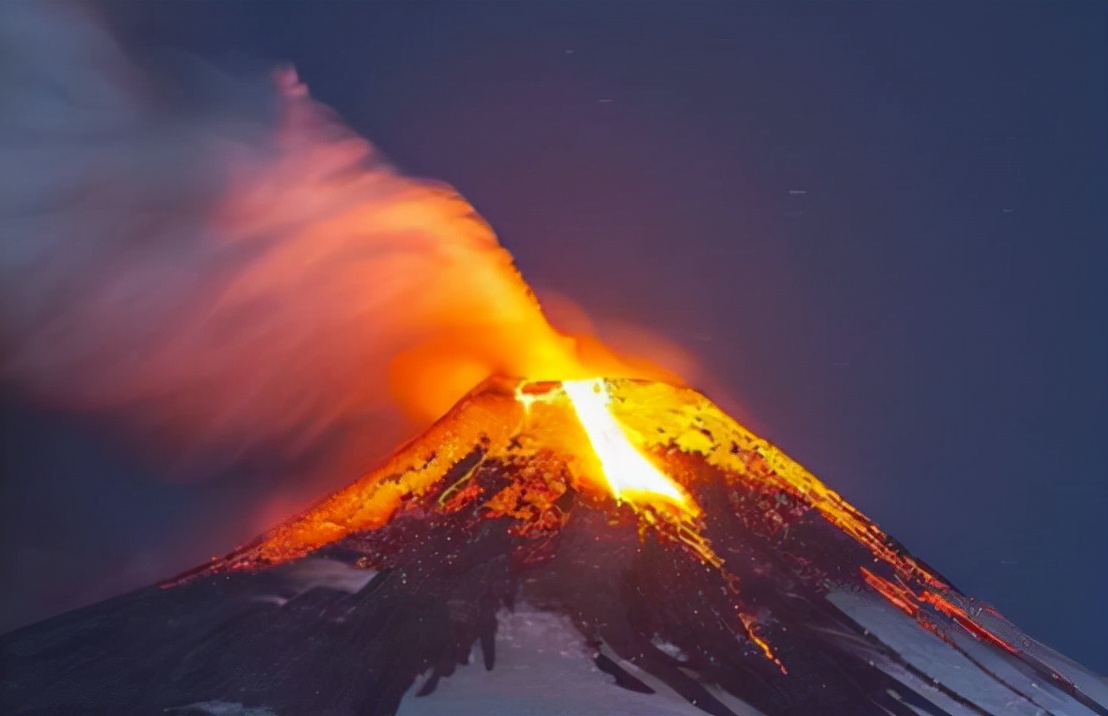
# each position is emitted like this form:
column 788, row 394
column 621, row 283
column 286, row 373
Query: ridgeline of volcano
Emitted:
column 509, row 494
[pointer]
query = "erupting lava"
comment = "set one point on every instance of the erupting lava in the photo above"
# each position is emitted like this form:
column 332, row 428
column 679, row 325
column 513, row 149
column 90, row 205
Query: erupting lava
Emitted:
column 686, row 555
column 319, row 290
column 531, row 455
column 629, row 474
column 570, row 426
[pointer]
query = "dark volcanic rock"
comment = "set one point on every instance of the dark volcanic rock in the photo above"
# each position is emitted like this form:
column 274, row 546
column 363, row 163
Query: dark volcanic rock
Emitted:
column 774, row 598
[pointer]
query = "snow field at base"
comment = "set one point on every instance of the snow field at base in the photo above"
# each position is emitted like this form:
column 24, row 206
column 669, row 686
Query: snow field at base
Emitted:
column 543, row 668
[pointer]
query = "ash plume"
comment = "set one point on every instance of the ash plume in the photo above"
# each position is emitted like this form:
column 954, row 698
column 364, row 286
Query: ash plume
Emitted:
column 218, row 279
column 240, row 280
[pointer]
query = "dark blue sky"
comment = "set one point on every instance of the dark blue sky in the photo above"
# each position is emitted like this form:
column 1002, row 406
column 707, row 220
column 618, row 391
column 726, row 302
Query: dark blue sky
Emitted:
column 883, row 229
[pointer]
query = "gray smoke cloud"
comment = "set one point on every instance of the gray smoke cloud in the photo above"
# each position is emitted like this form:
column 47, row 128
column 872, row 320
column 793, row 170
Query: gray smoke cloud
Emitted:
column 237, row 279
column 222, row 280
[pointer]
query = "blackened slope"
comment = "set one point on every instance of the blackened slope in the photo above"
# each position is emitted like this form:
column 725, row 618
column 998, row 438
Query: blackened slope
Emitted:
column 444, row 576
column 778, row 594
column 227, row 639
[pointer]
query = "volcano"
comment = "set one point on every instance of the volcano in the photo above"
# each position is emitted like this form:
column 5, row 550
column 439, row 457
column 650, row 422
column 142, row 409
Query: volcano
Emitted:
column 578, row 547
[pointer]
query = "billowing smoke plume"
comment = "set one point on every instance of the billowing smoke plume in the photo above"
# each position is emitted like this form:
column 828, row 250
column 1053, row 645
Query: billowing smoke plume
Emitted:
column 236, row 282
column 220, row 277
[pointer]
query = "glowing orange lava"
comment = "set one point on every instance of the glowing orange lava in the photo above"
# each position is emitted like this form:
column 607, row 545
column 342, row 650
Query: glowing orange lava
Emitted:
column 630, row 476
column 615, row 443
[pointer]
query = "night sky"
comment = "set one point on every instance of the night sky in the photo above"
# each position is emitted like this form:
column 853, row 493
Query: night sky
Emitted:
column 883, row 230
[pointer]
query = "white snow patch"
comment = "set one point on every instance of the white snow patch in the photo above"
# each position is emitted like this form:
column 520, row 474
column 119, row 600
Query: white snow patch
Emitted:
column 669, row 649
column 543, row 667
column 312, row 572
column 948, row 667
column 271, row 599
column 222, row 708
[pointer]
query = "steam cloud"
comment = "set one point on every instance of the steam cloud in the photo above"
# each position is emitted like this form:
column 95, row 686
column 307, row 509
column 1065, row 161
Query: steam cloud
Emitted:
column 242, row 281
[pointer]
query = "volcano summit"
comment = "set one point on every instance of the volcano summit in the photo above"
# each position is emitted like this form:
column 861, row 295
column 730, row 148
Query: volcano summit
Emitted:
column 599, row 547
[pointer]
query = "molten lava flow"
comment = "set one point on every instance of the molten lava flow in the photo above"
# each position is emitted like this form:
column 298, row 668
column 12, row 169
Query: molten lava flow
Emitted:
column 535, row 427
column 668, row 535
column 529, row 456
column 630, row 476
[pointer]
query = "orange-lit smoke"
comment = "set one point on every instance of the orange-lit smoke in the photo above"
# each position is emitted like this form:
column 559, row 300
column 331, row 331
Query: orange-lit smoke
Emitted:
column 242, row 281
